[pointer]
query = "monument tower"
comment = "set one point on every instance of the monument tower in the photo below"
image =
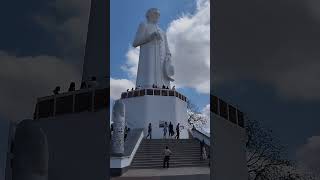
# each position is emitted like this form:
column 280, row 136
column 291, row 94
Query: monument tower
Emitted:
column 95, row 62
column 153, row 100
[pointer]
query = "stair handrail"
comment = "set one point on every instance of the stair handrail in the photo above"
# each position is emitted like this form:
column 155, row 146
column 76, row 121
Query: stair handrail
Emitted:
column 196, row 134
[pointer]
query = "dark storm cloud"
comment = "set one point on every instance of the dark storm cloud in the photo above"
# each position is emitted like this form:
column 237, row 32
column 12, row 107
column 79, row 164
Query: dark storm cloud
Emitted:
column 24, row 79
column 42, row 46
column 308, row 154
column 267, row 61
column 68, row 23
column 269, row 41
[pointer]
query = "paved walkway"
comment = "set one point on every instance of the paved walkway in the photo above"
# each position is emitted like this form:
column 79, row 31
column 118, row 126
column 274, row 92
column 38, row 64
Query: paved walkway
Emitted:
column 184, row 173
column 187, row 177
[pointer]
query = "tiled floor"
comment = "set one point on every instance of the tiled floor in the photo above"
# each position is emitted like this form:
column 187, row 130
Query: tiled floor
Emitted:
column 183, row 173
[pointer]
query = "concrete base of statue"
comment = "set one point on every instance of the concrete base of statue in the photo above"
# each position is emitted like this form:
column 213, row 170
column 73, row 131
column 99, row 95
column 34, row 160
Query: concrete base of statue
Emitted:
column 156, row 106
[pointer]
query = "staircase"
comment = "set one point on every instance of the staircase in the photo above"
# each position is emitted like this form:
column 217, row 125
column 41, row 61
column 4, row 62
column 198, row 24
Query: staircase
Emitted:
column 186, row 152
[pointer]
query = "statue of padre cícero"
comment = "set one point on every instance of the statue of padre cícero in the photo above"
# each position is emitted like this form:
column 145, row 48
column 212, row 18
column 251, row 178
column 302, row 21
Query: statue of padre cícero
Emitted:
column 155, row 65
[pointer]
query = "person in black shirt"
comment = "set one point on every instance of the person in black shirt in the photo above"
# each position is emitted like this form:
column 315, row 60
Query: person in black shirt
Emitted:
column 56, row 90
column 171, row 132
column 111, row 130
column 83, row 85
column 72, row 86
column 149, row 131
column 178, row 131
column 125, row 132
column 201, row 149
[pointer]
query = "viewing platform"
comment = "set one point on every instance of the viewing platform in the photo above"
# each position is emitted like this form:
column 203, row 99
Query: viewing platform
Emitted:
column 90, row 99
column 153, row 92
column 226, row 111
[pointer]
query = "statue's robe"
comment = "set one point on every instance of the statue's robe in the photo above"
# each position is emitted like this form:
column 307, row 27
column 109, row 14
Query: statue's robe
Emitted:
column 152, row 56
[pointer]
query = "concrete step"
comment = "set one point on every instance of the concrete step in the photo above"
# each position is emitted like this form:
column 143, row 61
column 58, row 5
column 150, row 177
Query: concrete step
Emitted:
column 186, row 152
column 146, row 158
column 160, row 150
column 172, row 157
column 177, row 161
column 170, row 165
column 173, row 152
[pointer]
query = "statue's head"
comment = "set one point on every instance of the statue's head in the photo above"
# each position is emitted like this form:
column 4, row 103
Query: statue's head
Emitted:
column 153, row 15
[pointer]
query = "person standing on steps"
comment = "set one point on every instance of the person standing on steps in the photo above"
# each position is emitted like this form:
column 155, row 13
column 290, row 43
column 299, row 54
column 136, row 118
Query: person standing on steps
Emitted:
column 165, row 130
column 201, row 149
column 178, row 131
column 204, row 153
column 149, row 131
column 166, row 158
column 171, row 130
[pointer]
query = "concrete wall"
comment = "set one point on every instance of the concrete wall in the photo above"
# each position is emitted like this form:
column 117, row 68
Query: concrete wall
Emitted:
column 229, row 155
column 78, row 146
column 140, row 111
column 5, row 140
column 96, row 57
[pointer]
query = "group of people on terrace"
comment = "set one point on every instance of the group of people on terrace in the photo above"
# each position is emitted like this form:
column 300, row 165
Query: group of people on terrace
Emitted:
column 166, row 128
column 92, row 83
column 153, row 86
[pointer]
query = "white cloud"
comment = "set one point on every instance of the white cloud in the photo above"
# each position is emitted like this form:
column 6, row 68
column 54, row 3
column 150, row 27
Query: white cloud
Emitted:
column 24, row 79
column 308, row 155
column 206, row 114
column 131, row 65
column 189, row 42
column 119, row 85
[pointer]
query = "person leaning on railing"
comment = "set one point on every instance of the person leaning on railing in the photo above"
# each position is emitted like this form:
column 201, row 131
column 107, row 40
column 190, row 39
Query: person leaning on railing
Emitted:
column 72, row 87
column 83, row 85
column 56, row 90
column 93, row 83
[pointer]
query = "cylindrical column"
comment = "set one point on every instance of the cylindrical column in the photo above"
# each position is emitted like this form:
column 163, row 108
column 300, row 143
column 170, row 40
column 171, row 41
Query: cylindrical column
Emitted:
column 118, row 118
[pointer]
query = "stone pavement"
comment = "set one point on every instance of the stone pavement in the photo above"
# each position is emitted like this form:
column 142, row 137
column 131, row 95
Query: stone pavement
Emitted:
column 184, row 173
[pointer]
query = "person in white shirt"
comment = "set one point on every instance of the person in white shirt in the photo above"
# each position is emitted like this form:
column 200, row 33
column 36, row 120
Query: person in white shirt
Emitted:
column 166, row 159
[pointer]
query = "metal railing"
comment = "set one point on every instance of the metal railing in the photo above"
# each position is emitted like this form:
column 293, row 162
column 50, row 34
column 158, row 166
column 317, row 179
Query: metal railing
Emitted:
column 226, row 111
column 70, row 102
column 196, row 134
column 153, row 92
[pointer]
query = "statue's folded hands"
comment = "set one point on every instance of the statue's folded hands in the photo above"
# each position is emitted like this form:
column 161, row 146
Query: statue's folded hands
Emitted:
column 156, row 36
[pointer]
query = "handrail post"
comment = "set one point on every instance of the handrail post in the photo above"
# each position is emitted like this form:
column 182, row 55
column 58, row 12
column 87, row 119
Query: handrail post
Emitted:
column 37, row 110
column 73, row 102
column 54, row 106
column 92, row 100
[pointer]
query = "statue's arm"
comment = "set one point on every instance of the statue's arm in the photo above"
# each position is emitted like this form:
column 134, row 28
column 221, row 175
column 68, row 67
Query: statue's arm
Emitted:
column 141, row 37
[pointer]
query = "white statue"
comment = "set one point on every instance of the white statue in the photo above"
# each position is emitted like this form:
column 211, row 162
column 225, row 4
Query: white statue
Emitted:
column 118, row 118
column 155, row 66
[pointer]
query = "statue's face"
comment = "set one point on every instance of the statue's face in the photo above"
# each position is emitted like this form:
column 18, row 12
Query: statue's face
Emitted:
column 153, row 16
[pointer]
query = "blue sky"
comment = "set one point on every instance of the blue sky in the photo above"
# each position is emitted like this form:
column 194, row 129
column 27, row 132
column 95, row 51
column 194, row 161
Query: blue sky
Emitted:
column 125, row 18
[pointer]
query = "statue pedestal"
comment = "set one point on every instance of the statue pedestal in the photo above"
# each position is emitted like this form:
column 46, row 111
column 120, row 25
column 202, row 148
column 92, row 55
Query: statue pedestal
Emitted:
column 156, row 106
